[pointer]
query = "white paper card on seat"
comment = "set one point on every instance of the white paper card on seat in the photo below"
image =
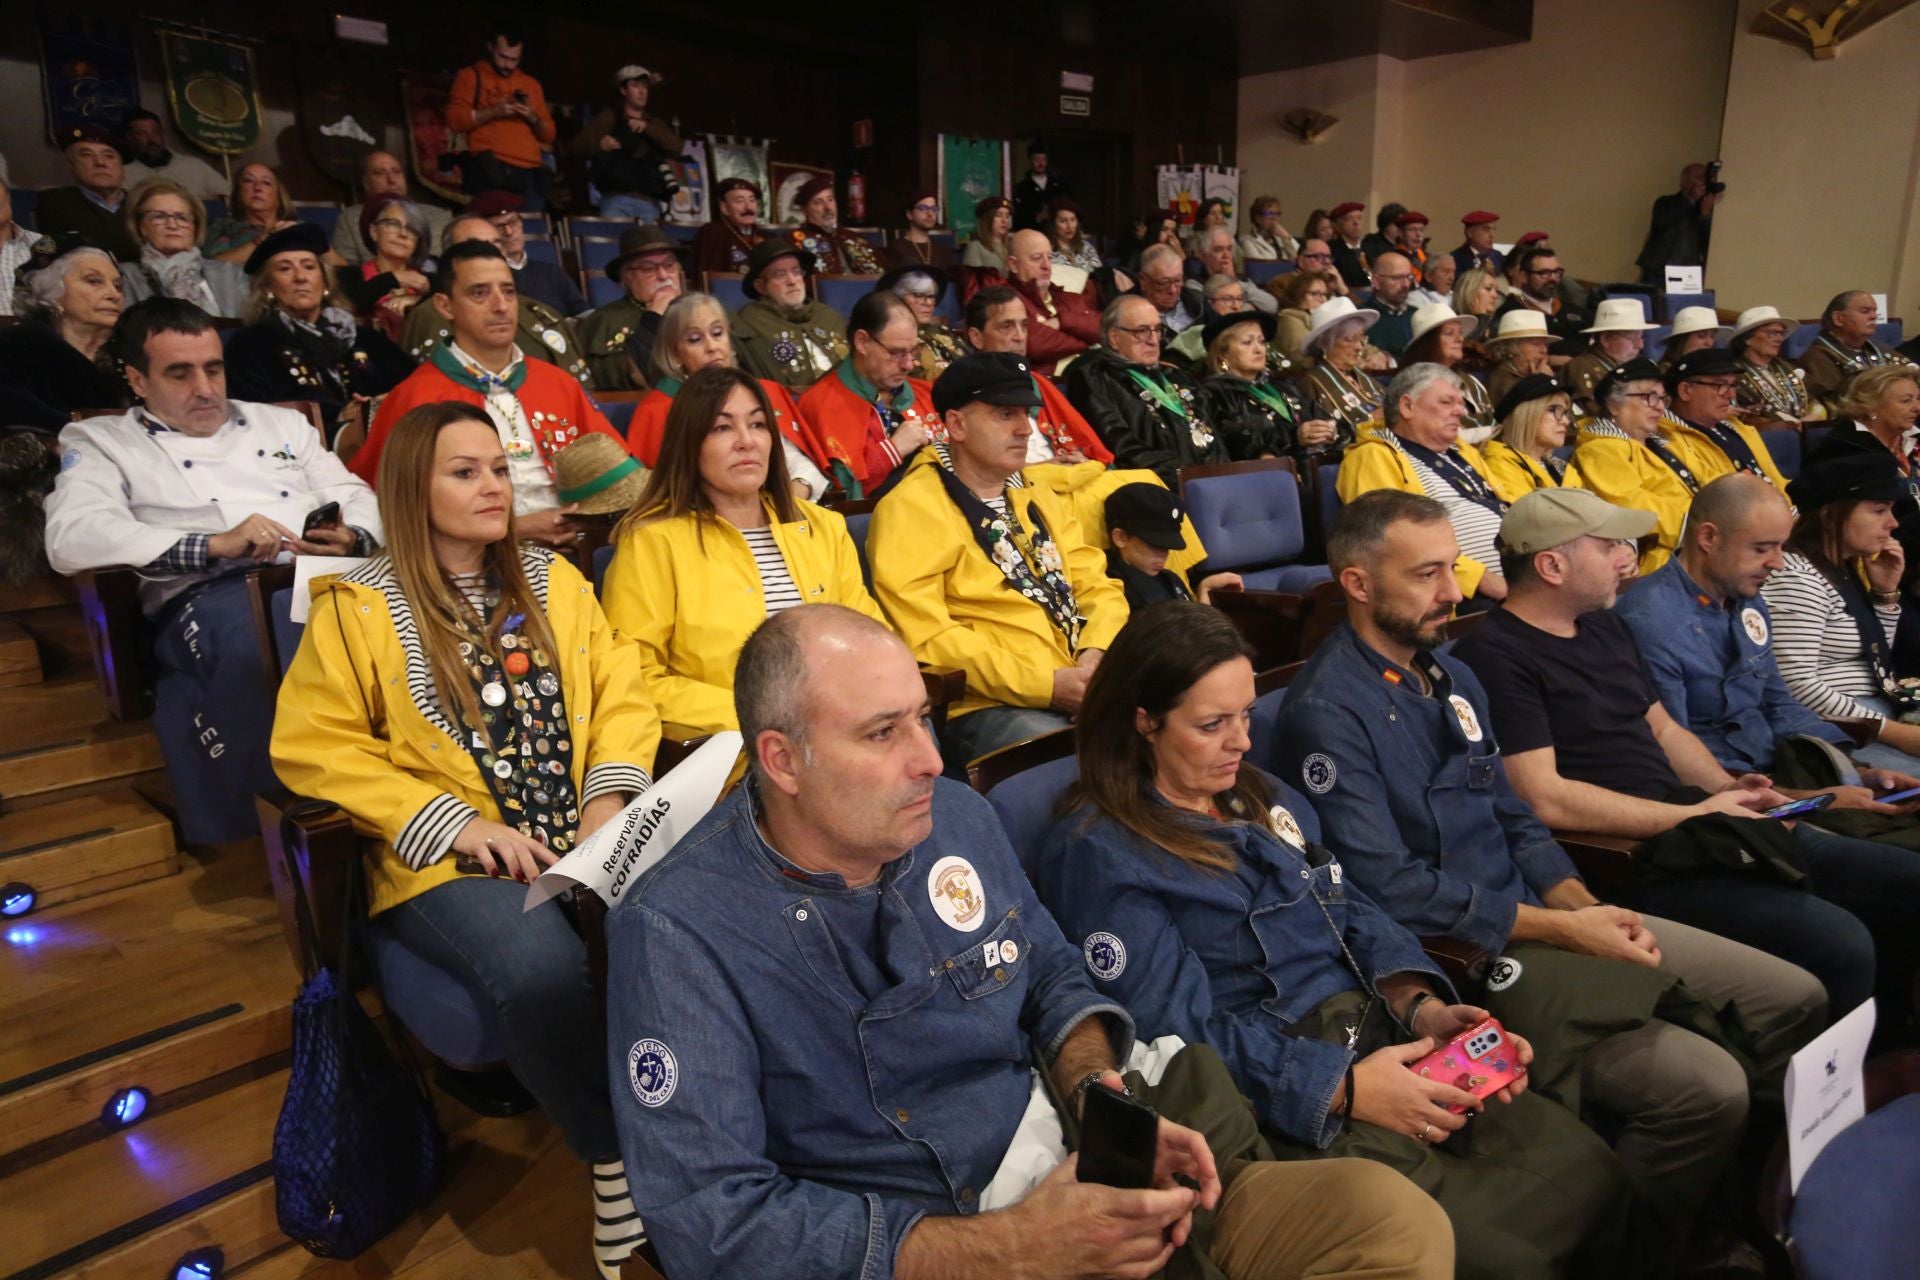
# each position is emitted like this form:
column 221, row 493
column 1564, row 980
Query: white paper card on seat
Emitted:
column 1686, row 279
column 1825, row 1089
column 1880, row 315
column 613, row 858
column 308, row 568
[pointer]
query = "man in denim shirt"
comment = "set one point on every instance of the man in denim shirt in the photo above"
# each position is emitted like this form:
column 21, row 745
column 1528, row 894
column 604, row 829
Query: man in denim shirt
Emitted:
column 1396, row 746
column 1707, row 639
column 826, row 1002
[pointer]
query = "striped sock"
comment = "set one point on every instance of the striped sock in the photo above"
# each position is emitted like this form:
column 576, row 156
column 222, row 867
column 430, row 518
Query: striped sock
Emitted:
column 616, row 1225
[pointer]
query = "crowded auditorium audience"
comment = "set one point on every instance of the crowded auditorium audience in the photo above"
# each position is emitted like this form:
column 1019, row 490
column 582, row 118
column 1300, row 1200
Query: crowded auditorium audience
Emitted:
column 917, row 514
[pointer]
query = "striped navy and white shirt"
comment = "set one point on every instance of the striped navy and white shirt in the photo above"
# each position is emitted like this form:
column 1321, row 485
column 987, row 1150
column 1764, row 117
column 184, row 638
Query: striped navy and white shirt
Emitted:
column 776, row 583
column 1817, row 644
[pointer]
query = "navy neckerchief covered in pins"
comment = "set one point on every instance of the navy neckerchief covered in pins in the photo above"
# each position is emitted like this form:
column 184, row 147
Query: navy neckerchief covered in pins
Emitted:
column 1457, row 472
column 524, row 744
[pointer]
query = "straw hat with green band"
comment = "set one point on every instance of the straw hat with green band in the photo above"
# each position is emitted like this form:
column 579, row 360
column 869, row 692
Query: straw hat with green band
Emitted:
column 597, row 473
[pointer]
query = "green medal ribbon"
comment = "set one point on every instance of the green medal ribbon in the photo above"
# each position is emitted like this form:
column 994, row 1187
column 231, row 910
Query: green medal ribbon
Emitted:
column 1158, row 390
column 1271, row 397
column 668, row 387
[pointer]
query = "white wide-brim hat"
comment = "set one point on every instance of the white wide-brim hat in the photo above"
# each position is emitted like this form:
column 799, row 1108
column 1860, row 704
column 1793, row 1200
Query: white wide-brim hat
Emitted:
column 1759, row 317
column 1435, row 314
column 1330, row 313
column 1521, row 322
column 1699, row 320
column 1620, row 315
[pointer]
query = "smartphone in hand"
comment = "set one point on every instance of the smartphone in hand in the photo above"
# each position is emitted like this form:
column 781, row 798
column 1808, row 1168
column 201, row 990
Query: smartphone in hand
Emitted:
column 1800, row 808
column 322, row 515
column 1119, row 1139
column 1481, row 1061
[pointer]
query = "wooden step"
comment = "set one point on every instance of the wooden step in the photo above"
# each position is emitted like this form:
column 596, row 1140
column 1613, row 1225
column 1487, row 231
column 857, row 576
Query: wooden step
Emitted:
column 88, row 845
column 19, row 655
column 70, row 1202
column 164, row 985
column 37, row 758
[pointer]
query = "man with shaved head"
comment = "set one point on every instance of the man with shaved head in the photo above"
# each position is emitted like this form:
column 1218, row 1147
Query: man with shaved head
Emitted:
column 1392, row 282
column 1705, row 633
column 832, row 1004
column 1060, row 324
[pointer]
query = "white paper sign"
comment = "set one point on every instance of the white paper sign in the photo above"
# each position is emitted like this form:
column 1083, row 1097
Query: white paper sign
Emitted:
column 1686, row 279
column 1880, row 308
column 307, row 568
column 1825, row 1089
column 614, row 857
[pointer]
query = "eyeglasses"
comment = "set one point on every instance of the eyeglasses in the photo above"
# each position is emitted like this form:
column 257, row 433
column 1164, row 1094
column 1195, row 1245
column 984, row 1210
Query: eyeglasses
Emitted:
column 1654, row 399
column 1560, row 411
column 919, row 296
column 1141, row 333
column 170, row 219
column 1162, row 282
column 654, row 267
column 392, row 224
column 899, row 355
column 1718, row 387
column 1316, row 257
column 926, row 208
column 1404, row 275
column 784, row 273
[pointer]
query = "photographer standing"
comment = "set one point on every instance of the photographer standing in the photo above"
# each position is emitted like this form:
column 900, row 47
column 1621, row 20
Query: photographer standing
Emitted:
column 503, row 112
column 628, row 152
column 1682, row 224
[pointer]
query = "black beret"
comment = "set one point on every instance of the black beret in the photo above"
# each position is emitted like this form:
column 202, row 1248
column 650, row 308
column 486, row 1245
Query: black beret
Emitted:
column 1847, row 477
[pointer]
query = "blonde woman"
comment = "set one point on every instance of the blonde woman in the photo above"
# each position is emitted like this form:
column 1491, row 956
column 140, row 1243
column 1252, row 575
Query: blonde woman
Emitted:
column 463, row 698
column 168, row 223
column 1536, row 418
column 1476, row 293
column 257, row 206
column 716, row 542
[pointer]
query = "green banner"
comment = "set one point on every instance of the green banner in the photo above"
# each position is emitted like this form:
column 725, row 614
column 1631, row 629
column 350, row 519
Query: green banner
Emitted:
column 971, row 169
column 211, row 88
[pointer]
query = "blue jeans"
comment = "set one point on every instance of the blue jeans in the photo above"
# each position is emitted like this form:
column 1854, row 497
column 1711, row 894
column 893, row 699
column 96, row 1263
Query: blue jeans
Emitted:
column 533, row 966
column 630, row 206
column 990, row 728
column 1857, row 892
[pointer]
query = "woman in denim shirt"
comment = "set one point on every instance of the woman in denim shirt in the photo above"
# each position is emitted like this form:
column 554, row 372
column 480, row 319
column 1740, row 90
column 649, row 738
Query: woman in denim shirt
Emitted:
column 1207, row 907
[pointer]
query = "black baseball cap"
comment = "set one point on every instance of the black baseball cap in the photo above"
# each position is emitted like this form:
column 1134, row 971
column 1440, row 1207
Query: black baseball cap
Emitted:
column 994, row 377
column 1637, row 370
column 1708, row 362
column 1148, row 512
column 1847, row 477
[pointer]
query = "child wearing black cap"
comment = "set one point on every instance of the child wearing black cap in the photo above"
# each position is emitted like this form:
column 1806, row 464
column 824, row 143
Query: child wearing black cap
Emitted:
column 1143, row 523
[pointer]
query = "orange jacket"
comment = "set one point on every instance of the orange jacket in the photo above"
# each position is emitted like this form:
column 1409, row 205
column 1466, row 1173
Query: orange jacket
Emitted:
column 515, row 141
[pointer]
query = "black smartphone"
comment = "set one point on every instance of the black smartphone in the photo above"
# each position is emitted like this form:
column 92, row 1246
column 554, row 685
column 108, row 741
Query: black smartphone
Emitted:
column 1800, row 808
column 1119, row 1138
column 1899, row 797
column 329, row 514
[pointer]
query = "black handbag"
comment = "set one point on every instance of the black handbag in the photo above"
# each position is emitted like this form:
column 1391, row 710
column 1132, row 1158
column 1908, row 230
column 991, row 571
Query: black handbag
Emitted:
column 357, row 1147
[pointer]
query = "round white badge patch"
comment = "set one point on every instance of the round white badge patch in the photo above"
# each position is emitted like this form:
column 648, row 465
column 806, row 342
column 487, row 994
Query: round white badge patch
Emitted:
column 1287, row 826
column 652, row 1072
column 1009, row 951
column 1318, row 773
column 1469, row 722
column 958, row 897
column 1504, row 973
column 555, row 339
column 1106, row 956
column 1755, row 624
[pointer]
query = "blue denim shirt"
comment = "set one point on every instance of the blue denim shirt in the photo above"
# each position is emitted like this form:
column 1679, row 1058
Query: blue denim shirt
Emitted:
column 1230, row 959
column 1712, row 665
column 1412, row 792
column 774, row 1121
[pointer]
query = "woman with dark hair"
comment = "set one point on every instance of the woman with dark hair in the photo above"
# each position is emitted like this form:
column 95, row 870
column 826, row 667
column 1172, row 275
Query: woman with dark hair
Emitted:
column 1211, row 213
column 1319, row 226
column 1072, row 247
column 1210, row 910
column 462, row 697
column 393, row 278
column 1301, row 292
column 716, row 542
column 1836, row 602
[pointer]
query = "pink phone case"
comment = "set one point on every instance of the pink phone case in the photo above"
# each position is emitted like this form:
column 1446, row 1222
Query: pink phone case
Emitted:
column 1480, row 1060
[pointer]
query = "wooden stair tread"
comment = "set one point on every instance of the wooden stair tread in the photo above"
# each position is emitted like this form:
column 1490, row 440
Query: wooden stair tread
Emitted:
column 108, row 968
column 87, row 845
column 46, row 757
column 19, row 655
column 171, row 1154
column 514, row 1204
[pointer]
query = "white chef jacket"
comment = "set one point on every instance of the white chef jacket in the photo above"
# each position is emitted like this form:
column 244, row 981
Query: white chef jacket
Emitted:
column 126, row 494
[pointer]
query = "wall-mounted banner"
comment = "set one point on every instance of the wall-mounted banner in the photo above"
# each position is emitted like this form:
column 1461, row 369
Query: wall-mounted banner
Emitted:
column 210, row 85
column 90, row 80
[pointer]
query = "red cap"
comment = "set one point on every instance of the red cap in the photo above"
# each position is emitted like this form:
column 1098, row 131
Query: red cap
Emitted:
column 990, row 206
column 1340, row 211
column 491, row 204
column 1410, row 217
column 1479, row 218
column 812, row 187
column 1532, row 237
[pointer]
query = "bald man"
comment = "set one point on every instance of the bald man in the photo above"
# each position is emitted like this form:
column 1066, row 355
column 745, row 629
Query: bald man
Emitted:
column 1707, row 638
column 382, row 174
column 1392, row 282
column 1060, row 324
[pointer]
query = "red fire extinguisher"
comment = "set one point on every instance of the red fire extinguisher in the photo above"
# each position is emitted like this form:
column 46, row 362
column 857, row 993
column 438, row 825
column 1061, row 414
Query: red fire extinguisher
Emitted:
column 856, row 197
